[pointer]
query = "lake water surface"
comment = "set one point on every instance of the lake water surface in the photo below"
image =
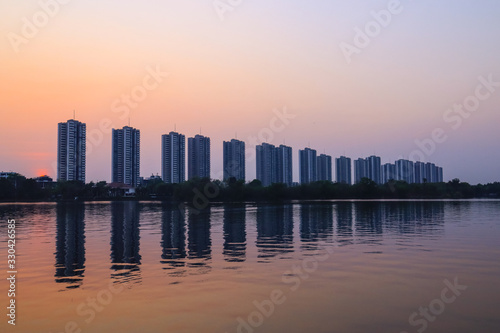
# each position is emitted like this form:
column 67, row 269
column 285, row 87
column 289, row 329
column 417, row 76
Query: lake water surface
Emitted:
column 363, row 266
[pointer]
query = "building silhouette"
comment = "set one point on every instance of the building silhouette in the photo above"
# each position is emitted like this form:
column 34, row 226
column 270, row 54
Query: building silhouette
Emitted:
column 307, row 166
column 388, row 172
column 360, row 170
column 324, row 167
column 284, row 169
column 266, row 163
column 71, row 150
column 412, row 172
column 405, row 171
column 274, row 164
column 199, row 157
column 369, row 167
column 419, row 172
column 173, row 158
column 343, row 170
column 126, row 156
column 234, row 159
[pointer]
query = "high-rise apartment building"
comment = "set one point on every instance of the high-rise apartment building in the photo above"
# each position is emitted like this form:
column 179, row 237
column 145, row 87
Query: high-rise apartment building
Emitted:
column 388, row 172
column 360, row 169
column 307, row 165
column 199, row 157
column 373, row 164
column 274, row 164
column 284, row 169
column 71, row 150
column 324, row 167
column 405, row 171
column 266, row 164
column 126, row 156
column 343, row 170
column 369, row 167
column 234, row 159
column 173, row 158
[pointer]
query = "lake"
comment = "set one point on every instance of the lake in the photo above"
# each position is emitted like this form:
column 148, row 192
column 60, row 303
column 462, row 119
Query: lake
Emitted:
column 340, row 266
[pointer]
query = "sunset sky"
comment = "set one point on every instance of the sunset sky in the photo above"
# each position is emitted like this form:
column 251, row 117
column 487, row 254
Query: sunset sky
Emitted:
column 229, row 70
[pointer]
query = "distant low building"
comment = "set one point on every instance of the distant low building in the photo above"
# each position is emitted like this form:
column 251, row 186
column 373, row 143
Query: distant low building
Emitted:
column 152, row 179
column 7, row 174
column 45, row 182
column 118, row 190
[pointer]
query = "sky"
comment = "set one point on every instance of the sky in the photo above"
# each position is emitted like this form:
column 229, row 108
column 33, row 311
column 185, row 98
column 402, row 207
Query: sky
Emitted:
column 353, row 78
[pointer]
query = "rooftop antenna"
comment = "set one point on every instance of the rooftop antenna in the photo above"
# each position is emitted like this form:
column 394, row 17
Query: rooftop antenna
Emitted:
column 200, row 130
column 74, row 114
column 128, row 121
column 236, row 135
column 175, row 127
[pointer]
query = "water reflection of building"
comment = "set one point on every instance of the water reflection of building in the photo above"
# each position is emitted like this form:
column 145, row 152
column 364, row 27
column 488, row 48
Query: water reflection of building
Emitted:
column 173, row 238
column 199, row 242
column 316, row 222
column 369, row 217
column 125, row 257
column 274, row 230
column 374, row 218
column 415, row 218
column 70, row 244
column 344, row 223
column 234, row 233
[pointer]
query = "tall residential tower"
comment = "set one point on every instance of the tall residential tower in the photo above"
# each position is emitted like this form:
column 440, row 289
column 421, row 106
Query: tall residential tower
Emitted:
column 126, row 158
column 234, row 159
column 71, row 150
column 173, row 158
column 307, row 165
column 199, row 157
column 343, row 170
column 324, row 167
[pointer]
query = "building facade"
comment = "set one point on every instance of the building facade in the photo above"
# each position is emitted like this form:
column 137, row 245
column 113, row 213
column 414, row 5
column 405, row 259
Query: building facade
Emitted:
column 71, row 151
column 343, row 170
column 266, row 164
column 173, row 158
column 369, row 167
column 405, row 171
column 284, row 172
column 234, row 159
column 199, row 157
column 307, row 166
column 360, row 170
column 324, row 167
column 388, row 173
column 374, row 168
column 126, row 156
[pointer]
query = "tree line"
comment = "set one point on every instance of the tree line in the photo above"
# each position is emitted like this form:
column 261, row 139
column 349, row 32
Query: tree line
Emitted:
column 19, row 188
